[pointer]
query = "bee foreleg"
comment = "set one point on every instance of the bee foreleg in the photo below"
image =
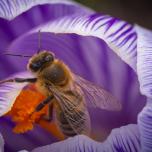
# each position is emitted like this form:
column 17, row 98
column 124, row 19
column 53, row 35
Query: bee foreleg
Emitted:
column 43, row 103
column 20, row 80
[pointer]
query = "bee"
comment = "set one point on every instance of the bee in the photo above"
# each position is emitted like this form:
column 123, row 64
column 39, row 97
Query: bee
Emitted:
column 66, row 92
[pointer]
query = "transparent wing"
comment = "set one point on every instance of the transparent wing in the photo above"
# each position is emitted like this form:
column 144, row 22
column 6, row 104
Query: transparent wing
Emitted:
column 74, row 110
column 97, row 96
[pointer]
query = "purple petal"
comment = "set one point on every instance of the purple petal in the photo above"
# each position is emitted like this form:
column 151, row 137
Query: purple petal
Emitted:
column 76, row 144
column 124, row 139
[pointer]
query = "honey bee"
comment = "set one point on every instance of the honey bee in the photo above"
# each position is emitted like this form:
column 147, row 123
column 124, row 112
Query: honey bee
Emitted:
column 67, row 93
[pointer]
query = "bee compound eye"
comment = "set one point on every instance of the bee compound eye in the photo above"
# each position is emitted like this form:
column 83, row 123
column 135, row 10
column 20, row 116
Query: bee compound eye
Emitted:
column 35, row 66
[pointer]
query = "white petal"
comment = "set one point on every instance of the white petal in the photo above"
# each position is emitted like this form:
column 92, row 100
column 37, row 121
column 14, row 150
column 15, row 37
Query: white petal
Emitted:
column 144, row 60
column 11, row 8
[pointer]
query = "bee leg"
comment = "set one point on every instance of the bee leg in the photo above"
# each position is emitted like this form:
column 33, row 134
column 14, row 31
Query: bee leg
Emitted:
column 43, row 103
column 49, row 116
column 20, row 80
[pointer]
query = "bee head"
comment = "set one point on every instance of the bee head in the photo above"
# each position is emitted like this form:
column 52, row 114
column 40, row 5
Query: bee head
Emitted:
column 40, row 60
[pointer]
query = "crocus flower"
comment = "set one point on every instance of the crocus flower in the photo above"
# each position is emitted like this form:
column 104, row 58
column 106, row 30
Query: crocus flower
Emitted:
column 103, row 49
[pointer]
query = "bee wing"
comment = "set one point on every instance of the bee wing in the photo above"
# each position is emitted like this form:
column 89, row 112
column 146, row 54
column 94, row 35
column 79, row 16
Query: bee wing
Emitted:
column 75, row 112
column 97, row 96
column 9, row 92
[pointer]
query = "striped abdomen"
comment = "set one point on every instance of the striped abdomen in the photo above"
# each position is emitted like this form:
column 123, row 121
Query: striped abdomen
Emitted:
column 79, row 124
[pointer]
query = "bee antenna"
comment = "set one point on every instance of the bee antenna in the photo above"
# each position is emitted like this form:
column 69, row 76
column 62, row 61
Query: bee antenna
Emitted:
column 19, row 55
column 39, row 42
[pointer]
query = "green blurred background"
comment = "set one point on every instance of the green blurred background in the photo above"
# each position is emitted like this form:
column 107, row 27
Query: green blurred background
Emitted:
column 133, row 11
